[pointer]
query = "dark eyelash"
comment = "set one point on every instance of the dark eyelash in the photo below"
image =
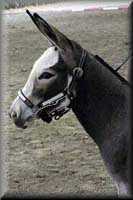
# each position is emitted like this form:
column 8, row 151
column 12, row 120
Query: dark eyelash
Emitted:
column 45, row 75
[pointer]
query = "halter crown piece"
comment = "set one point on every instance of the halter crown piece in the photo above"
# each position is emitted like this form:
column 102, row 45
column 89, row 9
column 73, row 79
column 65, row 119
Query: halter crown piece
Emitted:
column 60, row 104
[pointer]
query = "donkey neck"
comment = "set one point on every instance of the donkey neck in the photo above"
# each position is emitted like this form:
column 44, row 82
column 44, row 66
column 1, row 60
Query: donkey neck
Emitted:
column 101, row 99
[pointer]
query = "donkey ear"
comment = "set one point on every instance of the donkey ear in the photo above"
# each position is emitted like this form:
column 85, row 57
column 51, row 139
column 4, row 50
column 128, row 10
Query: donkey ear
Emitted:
column 55, row 37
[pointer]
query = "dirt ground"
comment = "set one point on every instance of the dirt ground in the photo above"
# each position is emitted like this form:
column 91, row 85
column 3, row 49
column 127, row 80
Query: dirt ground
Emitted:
column 60, row 158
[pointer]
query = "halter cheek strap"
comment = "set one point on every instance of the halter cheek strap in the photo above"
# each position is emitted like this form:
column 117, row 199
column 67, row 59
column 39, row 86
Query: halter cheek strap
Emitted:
column 77, row 74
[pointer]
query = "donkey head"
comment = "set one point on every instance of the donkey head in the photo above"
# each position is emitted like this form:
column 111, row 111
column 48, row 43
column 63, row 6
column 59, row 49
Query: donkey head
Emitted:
column 50, row 73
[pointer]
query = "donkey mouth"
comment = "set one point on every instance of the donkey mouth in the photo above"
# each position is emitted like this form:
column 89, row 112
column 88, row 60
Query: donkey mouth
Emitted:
column 23, row 124
column 20, row 125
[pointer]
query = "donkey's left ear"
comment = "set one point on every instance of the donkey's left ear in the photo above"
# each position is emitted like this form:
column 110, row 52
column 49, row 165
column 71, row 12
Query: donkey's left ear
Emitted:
column 51, row 33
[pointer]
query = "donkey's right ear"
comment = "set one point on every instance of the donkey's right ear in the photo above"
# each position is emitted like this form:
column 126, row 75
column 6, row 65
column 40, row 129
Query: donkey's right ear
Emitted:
column 55, row 37
column 44, row 28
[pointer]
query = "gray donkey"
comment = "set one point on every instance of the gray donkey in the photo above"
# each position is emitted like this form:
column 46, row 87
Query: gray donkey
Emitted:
column 97, row 95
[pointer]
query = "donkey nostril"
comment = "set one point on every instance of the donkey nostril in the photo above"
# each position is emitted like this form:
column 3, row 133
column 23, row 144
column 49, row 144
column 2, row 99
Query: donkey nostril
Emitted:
column 14, row 115
column 9, row 114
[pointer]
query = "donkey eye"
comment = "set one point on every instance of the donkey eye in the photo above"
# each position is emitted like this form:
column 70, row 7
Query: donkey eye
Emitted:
column 45, row 75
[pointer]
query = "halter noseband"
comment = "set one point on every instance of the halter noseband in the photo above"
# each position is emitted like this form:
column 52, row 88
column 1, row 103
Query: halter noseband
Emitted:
column 60, row 104
column 25, row 99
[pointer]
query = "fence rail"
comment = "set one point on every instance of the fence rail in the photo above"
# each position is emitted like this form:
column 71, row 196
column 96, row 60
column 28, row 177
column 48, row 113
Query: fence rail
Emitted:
column 22, row 3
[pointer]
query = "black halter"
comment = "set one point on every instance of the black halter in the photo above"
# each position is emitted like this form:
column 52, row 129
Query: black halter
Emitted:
column 60, row 104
